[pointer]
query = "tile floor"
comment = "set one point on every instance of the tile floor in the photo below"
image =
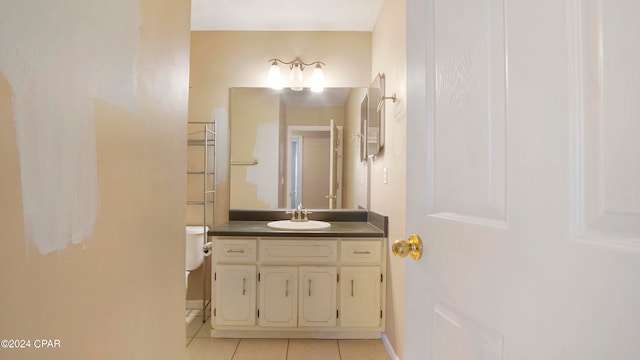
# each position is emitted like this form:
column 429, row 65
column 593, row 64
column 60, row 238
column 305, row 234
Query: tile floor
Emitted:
column 201, row 346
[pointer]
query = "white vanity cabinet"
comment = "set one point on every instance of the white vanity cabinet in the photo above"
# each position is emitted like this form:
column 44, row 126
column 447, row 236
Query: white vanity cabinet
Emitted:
column 298, row 287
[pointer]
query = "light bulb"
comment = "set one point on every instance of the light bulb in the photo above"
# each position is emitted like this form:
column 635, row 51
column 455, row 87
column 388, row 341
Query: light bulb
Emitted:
column 295, row 78
column 274, row 78
column 317, row 79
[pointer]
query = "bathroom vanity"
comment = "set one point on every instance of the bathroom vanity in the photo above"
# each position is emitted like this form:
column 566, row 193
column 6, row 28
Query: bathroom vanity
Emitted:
column 328, row 283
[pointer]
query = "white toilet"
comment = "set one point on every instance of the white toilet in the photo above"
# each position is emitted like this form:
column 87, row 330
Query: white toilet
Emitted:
column 195, row 255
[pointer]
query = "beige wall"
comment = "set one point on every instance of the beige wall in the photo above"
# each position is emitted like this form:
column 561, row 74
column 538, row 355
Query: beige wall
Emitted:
column 354, row 176
column 92, row 178
column 315, row 116
column 389, row 57
column 282, row 155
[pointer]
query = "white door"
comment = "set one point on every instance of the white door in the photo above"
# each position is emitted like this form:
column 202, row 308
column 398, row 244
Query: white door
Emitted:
column 333, row 166
column 339, row 153
column 294, row 170
column 523, row 179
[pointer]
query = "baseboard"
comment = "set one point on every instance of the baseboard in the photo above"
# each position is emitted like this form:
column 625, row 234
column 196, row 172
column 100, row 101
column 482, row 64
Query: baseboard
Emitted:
column 293, row 333
column 387, row 345
column 194, row 304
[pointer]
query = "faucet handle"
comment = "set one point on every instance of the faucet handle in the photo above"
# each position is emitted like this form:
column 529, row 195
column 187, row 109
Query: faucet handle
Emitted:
column 293, row 214
column 306, row 214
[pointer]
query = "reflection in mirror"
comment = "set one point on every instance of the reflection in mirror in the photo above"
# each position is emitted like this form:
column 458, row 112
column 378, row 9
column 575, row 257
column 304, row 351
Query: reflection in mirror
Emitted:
column 313, row 166
column 375, row 118
column 364, row 111
column 297, row 147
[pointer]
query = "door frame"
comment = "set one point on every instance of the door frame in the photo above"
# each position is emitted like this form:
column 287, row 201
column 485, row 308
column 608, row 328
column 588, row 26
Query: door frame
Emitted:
column 320, row 128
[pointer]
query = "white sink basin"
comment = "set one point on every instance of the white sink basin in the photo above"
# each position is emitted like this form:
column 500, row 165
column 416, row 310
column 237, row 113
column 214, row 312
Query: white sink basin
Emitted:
column 299, row 225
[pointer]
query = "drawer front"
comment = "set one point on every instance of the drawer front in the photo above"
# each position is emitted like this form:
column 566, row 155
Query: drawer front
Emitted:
column 295, row 251
column 235, row 250
column 360, row 251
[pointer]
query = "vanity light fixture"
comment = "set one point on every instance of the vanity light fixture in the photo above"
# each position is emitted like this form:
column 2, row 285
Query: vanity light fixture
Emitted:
column 295, row 76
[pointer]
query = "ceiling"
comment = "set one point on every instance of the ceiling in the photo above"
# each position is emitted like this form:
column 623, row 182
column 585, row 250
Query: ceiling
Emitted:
column 284, row 15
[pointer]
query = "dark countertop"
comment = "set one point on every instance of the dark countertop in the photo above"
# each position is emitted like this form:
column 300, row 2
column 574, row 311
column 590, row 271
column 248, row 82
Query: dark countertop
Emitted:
column 259, row 228
column 344, row 223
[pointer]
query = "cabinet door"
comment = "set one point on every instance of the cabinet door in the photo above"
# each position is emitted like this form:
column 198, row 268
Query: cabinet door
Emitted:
column 278, row 296
column 360, row 296
column 235, row 294
column 317, row 297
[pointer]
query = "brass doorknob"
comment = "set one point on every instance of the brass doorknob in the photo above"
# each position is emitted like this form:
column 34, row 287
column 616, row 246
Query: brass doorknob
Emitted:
column 411, row 247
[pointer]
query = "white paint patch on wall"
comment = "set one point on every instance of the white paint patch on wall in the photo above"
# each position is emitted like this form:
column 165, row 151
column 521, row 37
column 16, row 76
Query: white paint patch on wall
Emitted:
column 88, row 53
column 265, row 175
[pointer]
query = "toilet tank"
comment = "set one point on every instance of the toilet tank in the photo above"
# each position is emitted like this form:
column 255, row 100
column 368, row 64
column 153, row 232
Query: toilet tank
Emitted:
column 195, row 236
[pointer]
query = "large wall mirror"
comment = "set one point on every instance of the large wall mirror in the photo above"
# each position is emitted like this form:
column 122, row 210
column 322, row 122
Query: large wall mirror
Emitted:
column 297, row 147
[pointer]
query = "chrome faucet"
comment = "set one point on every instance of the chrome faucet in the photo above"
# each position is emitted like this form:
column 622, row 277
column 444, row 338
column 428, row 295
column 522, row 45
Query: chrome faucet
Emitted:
column 299, row 211
column 297, row 214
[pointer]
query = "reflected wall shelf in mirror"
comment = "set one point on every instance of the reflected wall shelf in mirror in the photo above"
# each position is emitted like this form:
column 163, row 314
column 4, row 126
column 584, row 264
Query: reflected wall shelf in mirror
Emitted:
column 364, row 110
column 263, row 121
column 375, row 115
